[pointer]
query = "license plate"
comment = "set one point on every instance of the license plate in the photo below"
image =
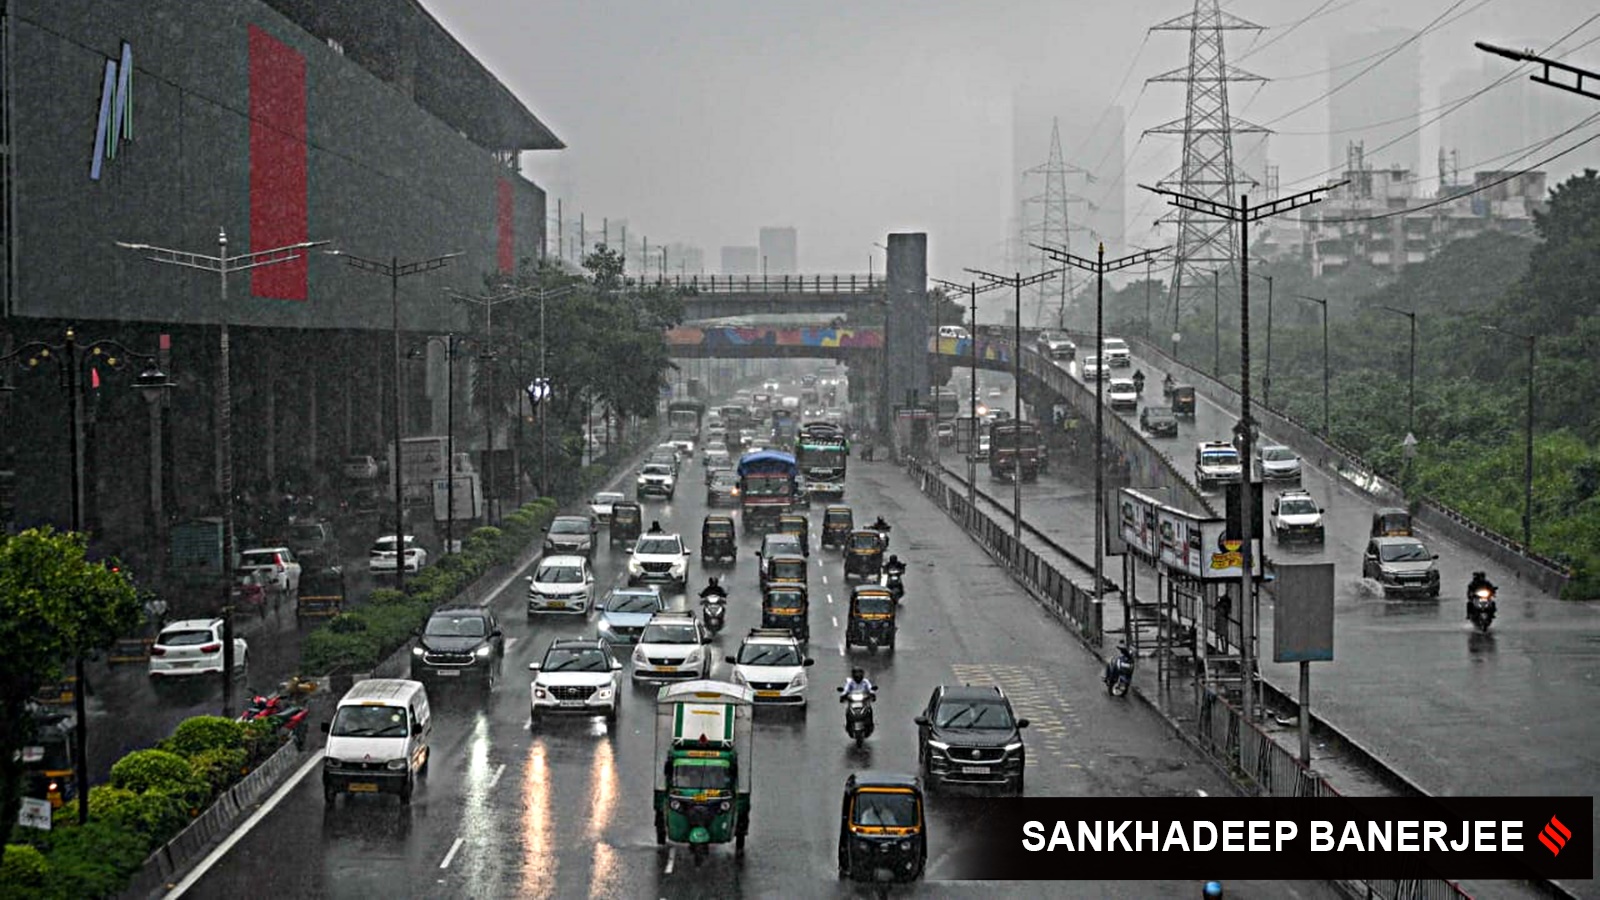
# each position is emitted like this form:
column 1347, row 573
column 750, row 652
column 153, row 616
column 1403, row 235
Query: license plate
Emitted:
column 448, row 673
column 362, row 787
column 663, row 668
column 183, row 664
column 572, row 703
column 769, row 694
column 975, row 770
column 557, row 604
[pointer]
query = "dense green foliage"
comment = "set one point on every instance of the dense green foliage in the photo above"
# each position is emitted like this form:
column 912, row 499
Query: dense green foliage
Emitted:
column 1471, row 401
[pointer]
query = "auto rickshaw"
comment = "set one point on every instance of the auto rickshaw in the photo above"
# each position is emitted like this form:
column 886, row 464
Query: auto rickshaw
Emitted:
column 719, row 540
column 784, row 569
column 882, row 830
column 48, row 762
column 799, row 526
column 1391, row 521
column 871, row 620
column 322, row 594
column 837, row 523
column 787, row 605
column 705, row 757
column 1183, row 400
column 863, row 555
column 627, row 520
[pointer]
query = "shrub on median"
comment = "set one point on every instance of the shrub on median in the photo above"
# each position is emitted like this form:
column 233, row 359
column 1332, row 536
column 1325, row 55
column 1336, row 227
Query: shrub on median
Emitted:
column 197, row 734
column 23, row 872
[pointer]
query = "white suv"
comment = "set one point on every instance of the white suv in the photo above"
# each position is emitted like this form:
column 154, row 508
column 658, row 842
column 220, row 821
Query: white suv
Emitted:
column 1116, row 352
column 381, row 559
column 577, row 675
column 672, row 647
column 660, row 559
column 1216, row 462
column 194, row 647
column 274, row 567
column 561, row 584
column 658, row 479
column 770, row 663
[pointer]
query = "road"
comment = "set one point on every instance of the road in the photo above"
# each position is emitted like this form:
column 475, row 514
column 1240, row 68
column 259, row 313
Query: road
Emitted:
column 565, row 810
column 1455, row 711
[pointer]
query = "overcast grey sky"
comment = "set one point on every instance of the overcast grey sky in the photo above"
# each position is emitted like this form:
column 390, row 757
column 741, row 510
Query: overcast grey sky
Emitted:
column 702, row 120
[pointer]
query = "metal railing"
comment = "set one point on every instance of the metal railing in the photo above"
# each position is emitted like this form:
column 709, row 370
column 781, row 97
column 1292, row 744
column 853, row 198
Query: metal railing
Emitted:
column 768, row 284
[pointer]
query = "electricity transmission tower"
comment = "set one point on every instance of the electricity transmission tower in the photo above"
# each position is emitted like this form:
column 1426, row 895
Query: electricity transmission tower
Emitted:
column 1204, row 243
column 1053, row 227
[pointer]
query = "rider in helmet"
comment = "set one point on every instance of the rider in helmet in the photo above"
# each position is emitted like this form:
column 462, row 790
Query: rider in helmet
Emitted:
column 655, row 526
column 1479, row 580
column 894, row 565
column 714, row 589
column 857, row 682
column 881, row 525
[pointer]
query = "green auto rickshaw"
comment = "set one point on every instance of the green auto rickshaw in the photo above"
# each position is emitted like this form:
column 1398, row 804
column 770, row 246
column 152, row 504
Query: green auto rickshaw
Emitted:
column 627, row 521
column 787, row 605
column 837, row 523
column 702, row 784
column 883, row 834
column 871, row 621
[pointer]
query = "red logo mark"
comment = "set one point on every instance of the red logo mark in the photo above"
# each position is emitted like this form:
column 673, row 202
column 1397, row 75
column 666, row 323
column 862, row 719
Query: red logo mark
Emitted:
column 1555, row 836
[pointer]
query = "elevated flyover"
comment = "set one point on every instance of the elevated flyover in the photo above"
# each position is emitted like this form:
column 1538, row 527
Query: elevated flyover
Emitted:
column 713, row 297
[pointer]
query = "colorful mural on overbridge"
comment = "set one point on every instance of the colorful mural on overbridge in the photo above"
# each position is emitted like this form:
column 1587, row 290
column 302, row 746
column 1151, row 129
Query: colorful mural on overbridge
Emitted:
column 730, row 336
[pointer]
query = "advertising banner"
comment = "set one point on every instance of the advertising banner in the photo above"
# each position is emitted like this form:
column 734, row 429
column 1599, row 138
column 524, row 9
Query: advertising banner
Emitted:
column 1180, row 541
column 1138, row 524
column 1224, row 554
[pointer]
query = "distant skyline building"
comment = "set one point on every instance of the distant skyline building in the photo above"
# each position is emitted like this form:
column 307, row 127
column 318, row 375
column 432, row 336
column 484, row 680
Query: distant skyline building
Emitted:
column 685, row 260
column 1383, row 106
column 780, row 251
column 741, row 260
column 1494, row 129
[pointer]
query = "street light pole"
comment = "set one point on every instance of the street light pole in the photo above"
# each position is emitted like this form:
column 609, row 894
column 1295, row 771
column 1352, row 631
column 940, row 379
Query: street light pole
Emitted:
column 1216, row 326
column 396, row 270
column 544, row 392
column 1327, row 432
column 152, row 382
column 973, row 290
column 1099, row 266
column 1411, row 377
column 224, row 265
column 1266, row 377
column 1018, row 282
column 1244, row 214
column 1527, row 449
column 451, row 341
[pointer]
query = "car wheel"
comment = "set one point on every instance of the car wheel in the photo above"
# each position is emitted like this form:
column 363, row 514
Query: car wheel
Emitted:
column 405, row 793
column 611, row 713
column 1017, row 786
column 533, row 717
column 328, row 796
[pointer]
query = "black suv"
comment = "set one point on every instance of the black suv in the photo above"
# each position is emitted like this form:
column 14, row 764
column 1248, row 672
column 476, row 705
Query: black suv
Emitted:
column 968, row 735
column 459, row 643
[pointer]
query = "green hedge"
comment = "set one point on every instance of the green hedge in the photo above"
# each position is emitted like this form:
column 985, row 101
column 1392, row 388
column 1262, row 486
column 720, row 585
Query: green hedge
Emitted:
column 357, row 640
column 153, row 794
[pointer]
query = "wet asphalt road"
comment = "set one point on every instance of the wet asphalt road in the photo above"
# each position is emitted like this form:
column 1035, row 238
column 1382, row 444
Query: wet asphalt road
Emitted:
column 564, row 811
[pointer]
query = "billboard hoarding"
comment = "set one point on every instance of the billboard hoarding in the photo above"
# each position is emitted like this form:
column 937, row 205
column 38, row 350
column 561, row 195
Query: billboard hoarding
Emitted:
column 1180, row 541
column 1137, row 524
column 1302, row 618
column 468, row 497
column 1223, row 555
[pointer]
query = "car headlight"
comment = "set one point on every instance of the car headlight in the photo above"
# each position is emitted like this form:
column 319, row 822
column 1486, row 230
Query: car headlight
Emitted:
column 396, row 765
column 940, row 746
column 549, row 545
column 604, row 693
column 584, row 544
column 605, row 625
column 331, row 763
column 798, row 681
column 639, row 657
column 695, row 654
column 679, row 566
column 1014, row 746
column 634, row 568
column 484, row 651
column 416, row 651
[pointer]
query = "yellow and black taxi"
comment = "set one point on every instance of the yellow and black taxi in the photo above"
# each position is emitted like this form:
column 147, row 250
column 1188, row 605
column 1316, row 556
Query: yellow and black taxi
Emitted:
column 787, row 605
column 871, row 621
column 863, row 555
column 837, row 523
column 799, row 526
column 883, row 835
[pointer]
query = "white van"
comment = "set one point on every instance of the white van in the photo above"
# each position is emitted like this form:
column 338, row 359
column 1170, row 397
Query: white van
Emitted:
column 378, row 739
column 954, row 331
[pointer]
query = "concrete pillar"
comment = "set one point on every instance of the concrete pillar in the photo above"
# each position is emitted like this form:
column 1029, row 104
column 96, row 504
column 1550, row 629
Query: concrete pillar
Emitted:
column 906, row 328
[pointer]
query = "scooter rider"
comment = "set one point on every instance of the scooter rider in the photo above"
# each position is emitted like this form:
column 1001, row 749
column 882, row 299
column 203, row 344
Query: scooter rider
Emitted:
column 655, row 526
column 857, row 682
column 894, row 566
column 1479, row 580
column 714, row 589
column 1124, row 656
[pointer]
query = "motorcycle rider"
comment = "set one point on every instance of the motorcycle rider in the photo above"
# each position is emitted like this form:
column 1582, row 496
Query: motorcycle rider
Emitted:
column 714, row 589
column 894, row 568
column 1138, row 381
column 881, row 525
column 1124, row 654
column 857, row 681
column 1479, row 580
column 1166, row 384
column 655, row 526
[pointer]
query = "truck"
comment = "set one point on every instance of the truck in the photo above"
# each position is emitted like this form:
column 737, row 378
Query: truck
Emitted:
column 821, row 451
column 946, row 402
column 1014, row 448
column 768, row 488
column 684, row 419
column 785, row 426
column 422, row 461
column 702, row 784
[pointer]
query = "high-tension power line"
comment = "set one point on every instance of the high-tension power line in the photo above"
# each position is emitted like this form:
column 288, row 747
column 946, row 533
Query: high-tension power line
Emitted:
column 1053, row 224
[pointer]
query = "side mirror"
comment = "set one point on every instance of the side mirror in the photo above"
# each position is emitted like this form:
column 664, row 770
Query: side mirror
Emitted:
column 533, row 667
column 1436, row 556
column 545, row 529
column 417, row 631
column 705, row 638
column 1022, row 723
column 616, row 665
column 809, row 662
column 497, row 634
column 840, row 689
column 416, row 729
column 1321, row 510
column 728, row 658
column 324, row 727
column 921, row 720
column 529, row 579
column 687, row 552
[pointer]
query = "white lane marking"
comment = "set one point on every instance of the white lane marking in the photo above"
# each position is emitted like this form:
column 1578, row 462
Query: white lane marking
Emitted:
column 1198, row 790
column 830, row 596
column 511, row 641
column 216, row 855
column 825, row 579
column 841, row 649
column 495, row 778
column 452, row 854
column 836, row 618
column 672, row 855
column 528, row 725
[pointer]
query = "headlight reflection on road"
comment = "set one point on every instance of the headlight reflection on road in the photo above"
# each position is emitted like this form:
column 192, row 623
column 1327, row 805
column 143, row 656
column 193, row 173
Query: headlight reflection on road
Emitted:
column 605, row 878
column 540, row 860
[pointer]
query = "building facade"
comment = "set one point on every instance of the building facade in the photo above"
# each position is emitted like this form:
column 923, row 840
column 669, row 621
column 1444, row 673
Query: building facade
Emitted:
column 741, row 260
column 780, row 253
column 364, row 125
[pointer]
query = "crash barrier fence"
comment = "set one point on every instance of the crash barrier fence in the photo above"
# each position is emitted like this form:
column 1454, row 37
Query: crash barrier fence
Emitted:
column 1149, row 467
column 1066, row 595
column 168, row 863
column 1272, row 771
column 774, row 284
column 1543, row 572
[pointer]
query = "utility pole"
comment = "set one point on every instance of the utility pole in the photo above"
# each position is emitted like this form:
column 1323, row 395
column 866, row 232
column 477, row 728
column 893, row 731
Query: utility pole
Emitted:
column 395, row 270
column 1244, row 214
column 1527, row 450
column 223, row 265
column 487, row 358
column 1266, row 377
column 1100, row 266
column 541, row 393
column 973, row 290
column 1327, row 432
column 1216, row 326
column 1549, row 65
column 1411, row 377
column 1017, row 281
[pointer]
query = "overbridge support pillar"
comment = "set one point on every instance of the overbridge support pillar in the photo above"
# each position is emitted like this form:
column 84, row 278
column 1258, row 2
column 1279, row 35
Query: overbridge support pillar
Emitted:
column 905, row 326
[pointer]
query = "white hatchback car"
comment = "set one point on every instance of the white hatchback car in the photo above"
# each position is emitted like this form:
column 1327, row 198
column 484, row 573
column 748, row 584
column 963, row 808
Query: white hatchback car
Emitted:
column 770, row 663
column 194, row 647
column 562, row 584
column 672, row 647
column 381, row 559
column 577, row 675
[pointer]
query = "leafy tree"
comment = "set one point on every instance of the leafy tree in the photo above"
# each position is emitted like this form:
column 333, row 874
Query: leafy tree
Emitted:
column 54, row 606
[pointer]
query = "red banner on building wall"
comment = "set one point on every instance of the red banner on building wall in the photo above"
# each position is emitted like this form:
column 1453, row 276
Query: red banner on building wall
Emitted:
column 278, row 163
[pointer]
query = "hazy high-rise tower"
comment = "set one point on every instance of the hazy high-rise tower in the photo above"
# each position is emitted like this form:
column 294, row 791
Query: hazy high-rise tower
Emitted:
column 1390, row 94
column 780, row 250
column 1493, row 131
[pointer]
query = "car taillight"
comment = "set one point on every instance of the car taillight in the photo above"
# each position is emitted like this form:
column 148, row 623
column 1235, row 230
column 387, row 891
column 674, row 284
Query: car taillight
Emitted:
column 158, row 651
column 210, row 648
column 277, row 560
